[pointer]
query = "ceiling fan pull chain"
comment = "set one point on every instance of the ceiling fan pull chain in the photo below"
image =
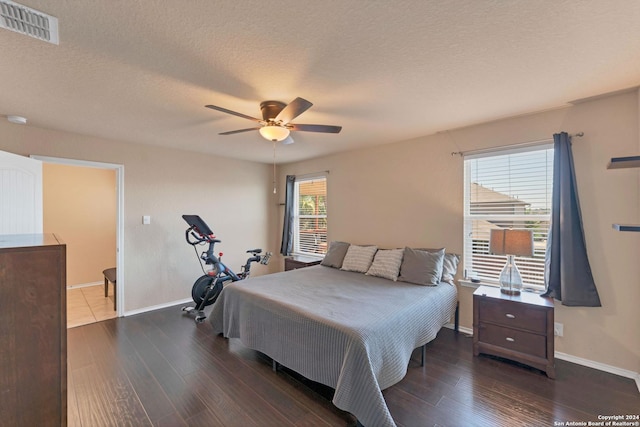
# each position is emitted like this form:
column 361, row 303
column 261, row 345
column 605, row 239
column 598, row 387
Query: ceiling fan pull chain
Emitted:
column 274, row 168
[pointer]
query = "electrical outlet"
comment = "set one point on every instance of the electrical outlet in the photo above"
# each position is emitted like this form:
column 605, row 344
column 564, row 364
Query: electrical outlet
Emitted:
column 558, row 329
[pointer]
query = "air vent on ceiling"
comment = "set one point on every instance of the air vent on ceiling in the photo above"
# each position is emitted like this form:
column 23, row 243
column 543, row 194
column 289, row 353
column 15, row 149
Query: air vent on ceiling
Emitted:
column 24, row 20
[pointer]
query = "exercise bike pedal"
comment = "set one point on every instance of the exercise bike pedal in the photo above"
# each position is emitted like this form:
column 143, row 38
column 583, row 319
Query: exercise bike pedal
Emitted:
column 200, row 316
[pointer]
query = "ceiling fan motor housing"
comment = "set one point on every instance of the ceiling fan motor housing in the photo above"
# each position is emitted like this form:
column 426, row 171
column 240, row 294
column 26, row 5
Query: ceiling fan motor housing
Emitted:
column 271, row 109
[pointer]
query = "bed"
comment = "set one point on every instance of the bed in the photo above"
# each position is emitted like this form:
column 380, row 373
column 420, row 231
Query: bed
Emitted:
column 347, row 330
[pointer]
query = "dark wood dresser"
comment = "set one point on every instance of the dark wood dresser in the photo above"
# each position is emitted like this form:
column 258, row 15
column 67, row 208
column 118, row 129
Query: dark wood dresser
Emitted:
column 518, row 327
column 299, row 261
column 33, row 330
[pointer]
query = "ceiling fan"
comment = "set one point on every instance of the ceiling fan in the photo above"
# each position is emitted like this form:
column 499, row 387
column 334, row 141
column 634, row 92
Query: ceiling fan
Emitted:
column 275, row 124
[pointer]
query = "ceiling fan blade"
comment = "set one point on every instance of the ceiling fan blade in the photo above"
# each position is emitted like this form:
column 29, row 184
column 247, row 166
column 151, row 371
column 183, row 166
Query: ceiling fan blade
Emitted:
column 231, row 132
column 293, row 110
column 288, row 141
column 235, row 113
column 315, row 128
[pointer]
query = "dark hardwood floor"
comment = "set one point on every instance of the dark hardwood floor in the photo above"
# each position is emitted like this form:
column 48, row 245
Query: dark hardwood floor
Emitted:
column 161, row 369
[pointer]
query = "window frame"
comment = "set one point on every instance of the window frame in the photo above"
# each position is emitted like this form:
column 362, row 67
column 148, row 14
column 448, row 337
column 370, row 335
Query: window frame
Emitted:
column 297, row 250
column 536, row 263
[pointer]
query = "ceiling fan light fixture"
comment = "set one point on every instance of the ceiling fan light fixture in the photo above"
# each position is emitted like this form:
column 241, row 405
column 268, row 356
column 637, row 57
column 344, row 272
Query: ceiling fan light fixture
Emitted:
column 274, row 133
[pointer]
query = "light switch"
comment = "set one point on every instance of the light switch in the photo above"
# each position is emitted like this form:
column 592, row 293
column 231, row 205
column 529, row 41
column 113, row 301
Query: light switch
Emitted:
column 146, row 219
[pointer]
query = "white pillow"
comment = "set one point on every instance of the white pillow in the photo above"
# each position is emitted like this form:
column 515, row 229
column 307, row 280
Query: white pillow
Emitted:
column 386, row 264
column 358, row 258
column 450, row 267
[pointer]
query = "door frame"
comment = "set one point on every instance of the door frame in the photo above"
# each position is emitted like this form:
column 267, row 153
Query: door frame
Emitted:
column 119, row 169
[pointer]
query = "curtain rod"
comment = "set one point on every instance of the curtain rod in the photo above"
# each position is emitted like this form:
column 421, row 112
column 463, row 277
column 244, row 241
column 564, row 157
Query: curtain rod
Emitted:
column 312, row 174
column 520, row 144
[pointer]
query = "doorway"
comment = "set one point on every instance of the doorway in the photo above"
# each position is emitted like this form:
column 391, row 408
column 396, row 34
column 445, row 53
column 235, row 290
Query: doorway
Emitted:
column 86, row 293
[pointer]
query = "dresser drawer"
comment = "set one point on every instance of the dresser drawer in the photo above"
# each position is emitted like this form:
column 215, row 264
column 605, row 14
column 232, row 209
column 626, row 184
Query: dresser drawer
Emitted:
column 513, row 315
column 523, row 342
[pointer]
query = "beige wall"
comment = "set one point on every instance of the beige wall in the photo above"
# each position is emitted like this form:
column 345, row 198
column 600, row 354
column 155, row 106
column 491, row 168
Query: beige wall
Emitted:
column 234, row 197
column 407, row 193
column 79, row 203
column 410, row 193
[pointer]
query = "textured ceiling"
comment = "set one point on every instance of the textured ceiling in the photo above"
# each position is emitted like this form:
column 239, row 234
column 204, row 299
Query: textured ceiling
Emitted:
column 142, row 71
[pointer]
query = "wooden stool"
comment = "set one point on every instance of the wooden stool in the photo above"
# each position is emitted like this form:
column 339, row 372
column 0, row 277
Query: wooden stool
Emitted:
column 110, row 276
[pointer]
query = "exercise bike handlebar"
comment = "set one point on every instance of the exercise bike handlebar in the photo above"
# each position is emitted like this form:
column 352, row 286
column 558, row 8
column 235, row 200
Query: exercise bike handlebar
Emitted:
column 198, row 238
column 199, row 232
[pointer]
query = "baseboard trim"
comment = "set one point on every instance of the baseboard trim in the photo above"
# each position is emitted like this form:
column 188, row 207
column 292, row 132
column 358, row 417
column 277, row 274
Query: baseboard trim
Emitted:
column 460, row 328
column 577, row 360
column 600, row 366
column 157, row 307
column 84, row 285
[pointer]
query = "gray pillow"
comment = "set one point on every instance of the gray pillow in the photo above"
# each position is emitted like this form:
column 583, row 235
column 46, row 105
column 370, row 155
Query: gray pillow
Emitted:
column 386, row 264
column 358, row 258
column 422, row 267
column 449, row 266
column 335, row 254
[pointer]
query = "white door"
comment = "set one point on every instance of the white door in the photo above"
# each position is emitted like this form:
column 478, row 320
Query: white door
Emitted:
column 20, row 194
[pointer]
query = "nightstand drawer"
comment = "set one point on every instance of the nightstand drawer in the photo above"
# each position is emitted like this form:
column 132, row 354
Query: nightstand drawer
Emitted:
column 516, row 327
column 513, row 315
column 523, row 342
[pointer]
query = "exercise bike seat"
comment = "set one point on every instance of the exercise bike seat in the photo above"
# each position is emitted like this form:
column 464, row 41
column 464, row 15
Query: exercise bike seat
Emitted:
column 254, row 251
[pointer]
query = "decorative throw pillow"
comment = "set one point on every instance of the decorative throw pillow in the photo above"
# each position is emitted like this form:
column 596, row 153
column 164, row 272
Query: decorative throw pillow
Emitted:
column 386, row 264
column 422, row 267
column 450, row 267
column 358, row 258
column 335, row 254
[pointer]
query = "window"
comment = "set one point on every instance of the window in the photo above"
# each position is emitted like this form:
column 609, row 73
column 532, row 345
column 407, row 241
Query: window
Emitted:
column 310, row 216
column 507, row 189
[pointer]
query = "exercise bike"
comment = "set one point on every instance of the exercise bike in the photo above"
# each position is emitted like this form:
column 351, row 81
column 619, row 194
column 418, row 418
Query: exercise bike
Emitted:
column 207, row 288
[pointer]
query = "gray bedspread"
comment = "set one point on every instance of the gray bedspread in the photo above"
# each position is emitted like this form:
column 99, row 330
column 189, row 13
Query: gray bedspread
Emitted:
column 346, row 330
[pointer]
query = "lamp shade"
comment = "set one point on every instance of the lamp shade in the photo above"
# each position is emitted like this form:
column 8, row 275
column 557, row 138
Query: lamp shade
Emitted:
column 511, row 242
column 274, row 132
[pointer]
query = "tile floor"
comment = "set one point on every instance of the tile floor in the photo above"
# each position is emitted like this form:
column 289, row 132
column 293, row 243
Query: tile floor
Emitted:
column 89, row 305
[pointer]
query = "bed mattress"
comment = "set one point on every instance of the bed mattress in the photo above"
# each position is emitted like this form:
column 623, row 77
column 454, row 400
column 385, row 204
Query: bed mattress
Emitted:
column 349, row 331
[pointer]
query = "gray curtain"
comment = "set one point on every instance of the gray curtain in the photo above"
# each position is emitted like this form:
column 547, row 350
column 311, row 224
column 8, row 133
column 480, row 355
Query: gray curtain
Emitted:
column 568, row 274
column 287, row 226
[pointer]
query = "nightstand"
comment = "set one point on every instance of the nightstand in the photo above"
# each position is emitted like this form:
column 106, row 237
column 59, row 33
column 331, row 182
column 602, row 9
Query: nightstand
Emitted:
column 516, row 327
column 299, row 261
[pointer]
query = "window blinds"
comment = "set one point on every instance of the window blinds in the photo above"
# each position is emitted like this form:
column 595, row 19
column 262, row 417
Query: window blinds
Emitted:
column 507, row 189
column 311, row 216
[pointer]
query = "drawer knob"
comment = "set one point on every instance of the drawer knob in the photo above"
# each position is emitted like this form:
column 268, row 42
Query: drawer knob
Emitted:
column 510, row 316
column 510, row 339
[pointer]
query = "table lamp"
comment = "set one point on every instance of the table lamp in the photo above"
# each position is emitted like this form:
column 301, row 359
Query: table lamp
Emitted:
column 511, row 242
